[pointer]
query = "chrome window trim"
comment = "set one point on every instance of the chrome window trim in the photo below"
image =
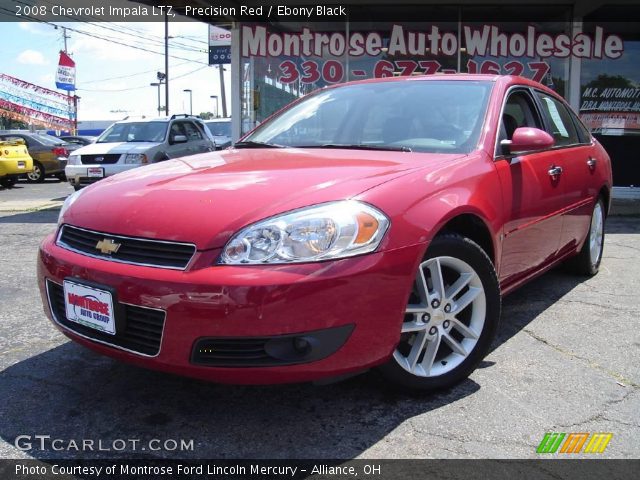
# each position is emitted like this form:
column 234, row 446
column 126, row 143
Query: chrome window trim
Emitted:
column 535, row 101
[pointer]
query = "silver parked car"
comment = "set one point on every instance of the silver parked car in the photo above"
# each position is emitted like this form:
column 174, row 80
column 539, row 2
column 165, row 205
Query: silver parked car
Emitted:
column 131, row 143
column 220, row 128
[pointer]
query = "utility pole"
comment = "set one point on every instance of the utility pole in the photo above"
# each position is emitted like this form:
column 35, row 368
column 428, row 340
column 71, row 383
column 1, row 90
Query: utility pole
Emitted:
column 166, row 63
column 75, row 98
column 222, row 92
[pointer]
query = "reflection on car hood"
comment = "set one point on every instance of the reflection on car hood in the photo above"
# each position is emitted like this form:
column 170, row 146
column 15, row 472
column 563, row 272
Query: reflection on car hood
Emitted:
column 206, row 198
column 115, row 147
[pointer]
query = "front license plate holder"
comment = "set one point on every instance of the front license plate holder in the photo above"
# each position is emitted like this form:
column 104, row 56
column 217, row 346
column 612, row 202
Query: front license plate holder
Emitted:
column 91, row 305
column 95, row 172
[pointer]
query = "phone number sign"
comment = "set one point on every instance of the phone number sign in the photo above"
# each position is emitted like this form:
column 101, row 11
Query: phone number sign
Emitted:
column 333, row 71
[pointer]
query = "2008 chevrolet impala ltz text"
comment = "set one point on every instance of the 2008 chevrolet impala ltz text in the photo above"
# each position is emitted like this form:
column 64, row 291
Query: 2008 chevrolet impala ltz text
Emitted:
column 371, row 224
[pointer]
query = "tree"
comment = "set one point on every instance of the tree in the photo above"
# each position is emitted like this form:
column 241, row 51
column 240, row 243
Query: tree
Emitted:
column 609, row 81
column 206, row 115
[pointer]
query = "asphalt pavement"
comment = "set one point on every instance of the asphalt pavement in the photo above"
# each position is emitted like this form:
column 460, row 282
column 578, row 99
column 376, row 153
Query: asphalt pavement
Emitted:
column 566, row 360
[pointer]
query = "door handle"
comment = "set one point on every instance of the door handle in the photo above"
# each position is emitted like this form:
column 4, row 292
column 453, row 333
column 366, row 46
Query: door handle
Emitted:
column 555, row 171
column 591, row 163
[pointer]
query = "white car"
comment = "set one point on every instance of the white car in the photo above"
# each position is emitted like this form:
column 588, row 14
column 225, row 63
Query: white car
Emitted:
column 131, row 143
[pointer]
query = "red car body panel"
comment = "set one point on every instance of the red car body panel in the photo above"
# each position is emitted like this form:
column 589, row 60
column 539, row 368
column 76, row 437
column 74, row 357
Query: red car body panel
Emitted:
column 531, row 219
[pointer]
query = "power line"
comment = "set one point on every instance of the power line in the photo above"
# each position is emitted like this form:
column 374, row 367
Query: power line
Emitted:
column 150, row 42
column 128, row 76
column 104, row 38
column 142, row 86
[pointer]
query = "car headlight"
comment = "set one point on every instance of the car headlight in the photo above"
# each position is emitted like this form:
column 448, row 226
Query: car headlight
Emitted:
column 67, row 203
column 135, row 158
column 322, row 232
column 74, row 160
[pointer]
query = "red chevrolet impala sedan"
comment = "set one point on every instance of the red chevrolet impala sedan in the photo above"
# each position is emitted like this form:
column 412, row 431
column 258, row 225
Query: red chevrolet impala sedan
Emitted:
column 371, row 224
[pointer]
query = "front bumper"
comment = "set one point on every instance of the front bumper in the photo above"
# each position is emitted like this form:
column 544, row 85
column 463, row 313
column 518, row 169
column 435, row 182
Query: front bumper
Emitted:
column 77, row 175
column 356, row 303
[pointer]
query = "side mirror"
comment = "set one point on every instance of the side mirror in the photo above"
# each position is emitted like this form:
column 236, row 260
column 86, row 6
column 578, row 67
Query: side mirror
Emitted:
column 179, row 139
column 527, row 139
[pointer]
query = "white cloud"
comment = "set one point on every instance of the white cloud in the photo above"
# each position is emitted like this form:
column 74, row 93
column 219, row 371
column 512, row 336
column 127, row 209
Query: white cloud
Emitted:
column 32, row 57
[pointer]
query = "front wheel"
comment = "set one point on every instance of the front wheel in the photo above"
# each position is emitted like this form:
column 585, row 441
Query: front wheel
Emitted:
column 451, row 318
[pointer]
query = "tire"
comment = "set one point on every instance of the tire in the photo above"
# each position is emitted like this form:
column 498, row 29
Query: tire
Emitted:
column 456, row 333
column 8, row 182
column 76, row 187
column 38, row 174
column 587, row 262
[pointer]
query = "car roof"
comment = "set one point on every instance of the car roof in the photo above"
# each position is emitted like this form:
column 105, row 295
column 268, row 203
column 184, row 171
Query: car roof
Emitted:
column 458, row 77
column 505, row 80
column 159, row 119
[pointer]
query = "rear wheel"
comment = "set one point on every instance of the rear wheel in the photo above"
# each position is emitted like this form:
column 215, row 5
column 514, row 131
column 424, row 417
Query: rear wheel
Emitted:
column 451, row 318
column 587, row 262
column 37, row 175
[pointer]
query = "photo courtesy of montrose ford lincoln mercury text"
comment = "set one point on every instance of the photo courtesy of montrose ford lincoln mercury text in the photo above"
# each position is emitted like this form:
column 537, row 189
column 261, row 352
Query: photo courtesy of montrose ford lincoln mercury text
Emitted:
column 372, row 224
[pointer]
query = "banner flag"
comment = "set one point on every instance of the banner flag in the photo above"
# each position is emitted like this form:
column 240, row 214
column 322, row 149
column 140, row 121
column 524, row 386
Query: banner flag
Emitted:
column 66, row 75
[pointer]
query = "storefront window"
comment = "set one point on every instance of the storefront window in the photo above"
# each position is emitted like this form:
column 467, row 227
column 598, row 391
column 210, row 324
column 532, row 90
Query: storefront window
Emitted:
column 533, row 42
column 610, row 79
column 284, row 61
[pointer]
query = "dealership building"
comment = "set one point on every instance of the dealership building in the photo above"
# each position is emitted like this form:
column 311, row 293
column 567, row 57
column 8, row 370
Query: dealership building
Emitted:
column 587, row 51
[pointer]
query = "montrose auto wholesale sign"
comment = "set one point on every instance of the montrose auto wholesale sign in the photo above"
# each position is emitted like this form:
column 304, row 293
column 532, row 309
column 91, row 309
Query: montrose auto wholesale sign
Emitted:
column 528, row 51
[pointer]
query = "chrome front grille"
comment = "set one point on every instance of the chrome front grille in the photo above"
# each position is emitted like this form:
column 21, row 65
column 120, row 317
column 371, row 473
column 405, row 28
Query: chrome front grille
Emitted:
column 136, row 251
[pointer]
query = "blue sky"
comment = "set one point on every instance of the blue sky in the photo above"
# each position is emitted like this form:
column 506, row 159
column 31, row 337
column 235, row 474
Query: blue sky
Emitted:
column 112, row 79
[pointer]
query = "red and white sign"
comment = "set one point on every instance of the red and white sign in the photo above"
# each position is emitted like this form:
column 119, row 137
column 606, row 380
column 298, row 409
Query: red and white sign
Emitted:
column 219, row 37
column 66, row 74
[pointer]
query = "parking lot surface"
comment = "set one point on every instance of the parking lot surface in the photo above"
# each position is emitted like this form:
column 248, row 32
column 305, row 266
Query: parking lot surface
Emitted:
column 565, row 360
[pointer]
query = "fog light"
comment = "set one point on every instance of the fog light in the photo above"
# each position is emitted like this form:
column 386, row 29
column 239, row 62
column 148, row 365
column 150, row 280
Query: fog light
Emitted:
column 301, row 345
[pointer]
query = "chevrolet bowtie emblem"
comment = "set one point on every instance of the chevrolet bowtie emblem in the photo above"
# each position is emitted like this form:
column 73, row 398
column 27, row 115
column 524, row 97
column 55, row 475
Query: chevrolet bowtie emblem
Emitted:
column 107, row 246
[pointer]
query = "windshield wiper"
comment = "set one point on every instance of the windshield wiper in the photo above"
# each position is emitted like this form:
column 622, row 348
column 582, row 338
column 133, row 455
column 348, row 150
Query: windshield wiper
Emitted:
column 358, row 146
column 252, row 144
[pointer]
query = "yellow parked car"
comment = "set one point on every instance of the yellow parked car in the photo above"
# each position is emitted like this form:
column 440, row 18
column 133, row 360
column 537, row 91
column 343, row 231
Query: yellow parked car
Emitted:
column 15, row 161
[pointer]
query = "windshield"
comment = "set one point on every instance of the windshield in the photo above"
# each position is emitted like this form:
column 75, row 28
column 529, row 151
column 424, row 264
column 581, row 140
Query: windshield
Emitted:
column 422, row 116
column 134, row 132
column 219, row 129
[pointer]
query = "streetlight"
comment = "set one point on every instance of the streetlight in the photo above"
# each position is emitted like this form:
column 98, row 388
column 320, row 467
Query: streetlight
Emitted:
column 157, row 84
column 217, row 108
column 190, row 100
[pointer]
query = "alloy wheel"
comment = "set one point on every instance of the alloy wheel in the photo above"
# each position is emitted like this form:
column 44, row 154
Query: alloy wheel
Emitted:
column 444, row 318
column 36, row 174
column 596, row 233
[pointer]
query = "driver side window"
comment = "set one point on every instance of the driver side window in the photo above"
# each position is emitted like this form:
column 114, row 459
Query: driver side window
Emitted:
column 519, row 111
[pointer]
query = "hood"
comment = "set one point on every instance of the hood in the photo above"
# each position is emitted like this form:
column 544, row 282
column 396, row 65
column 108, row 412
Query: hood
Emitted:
column 206, row 198
column 115, row 147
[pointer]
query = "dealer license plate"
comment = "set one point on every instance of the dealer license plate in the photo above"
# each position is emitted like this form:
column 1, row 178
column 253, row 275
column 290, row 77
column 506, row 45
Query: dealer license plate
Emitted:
column 95, row 172
column 89, row 306
column 22, row 164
